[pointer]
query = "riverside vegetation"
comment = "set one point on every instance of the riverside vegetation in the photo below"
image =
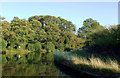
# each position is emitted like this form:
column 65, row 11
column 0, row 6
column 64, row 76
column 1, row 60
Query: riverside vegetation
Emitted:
column 89, row 64
column 52, row 34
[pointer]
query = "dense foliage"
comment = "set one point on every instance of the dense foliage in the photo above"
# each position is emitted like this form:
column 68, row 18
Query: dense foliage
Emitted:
column 50, row 33
column 40, row 33
column 99, row 39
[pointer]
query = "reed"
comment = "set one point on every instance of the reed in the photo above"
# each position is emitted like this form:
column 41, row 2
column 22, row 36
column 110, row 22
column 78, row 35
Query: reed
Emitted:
column 92, row 62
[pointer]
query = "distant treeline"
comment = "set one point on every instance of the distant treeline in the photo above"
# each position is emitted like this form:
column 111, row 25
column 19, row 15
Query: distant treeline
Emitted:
column 50, row 33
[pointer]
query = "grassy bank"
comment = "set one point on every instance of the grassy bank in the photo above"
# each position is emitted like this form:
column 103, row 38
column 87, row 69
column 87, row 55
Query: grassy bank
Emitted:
column 89, row 63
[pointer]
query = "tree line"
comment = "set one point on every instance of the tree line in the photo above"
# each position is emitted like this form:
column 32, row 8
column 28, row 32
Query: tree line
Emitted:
column 99, row 39
column 40, row 33
column 50, row 33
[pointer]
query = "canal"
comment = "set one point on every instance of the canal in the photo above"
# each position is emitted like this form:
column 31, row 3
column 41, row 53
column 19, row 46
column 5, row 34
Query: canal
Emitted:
column 38, row 64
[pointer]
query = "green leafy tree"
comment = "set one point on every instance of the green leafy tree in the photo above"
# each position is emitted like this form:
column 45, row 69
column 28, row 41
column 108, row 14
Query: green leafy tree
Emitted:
column 34, row 47
column 89, row 27
column 53, row 32
column 4, row 44
column 50, row 46
column 22, row 30
column 41, row 32
column 63, row 24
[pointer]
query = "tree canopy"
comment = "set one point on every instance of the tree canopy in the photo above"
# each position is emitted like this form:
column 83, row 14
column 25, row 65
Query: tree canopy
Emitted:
column 52, row 33
column 99, row 39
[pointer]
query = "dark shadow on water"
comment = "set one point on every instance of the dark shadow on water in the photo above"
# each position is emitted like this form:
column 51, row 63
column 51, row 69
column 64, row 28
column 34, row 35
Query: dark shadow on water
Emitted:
column 73, row 73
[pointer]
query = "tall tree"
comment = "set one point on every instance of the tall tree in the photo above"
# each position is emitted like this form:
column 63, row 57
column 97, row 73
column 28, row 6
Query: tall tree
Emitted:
column 89, row 26
column 22, row 31
column 63, row 24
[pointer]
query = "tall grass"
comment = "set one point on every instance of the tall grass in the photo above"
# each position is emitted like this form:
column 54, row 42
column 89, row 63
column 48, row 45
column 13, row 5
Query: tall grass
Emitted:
column 91, row 62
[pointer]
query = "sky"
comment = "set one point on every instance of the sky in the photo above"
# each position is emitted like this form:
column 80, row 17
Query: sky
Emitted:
column 106, row 13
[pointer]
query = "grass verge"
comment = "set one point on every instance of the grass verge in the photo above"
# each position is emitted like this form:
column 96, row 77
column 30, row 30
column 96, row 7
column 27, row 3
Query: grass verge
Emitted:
column 89, row 63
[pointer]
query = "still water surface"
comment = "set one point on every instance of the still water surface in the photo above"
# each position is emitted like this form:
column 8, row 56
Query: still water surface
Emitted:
column 43, row 66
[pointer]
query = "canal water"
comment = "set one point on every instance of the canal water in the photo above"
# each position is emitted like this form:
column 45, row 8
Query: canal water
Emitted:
column 37, row 64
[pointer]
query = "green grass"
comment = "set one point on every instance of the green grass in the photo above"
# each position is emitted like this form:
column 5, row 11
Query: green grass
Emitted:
column 90, row 63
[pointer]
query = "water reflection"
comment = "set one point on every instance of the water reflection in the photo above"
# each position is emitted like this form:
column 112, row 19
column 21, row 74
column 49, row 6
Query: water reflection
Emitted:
column 43, row 66
column 30, row 70
column 38, row 64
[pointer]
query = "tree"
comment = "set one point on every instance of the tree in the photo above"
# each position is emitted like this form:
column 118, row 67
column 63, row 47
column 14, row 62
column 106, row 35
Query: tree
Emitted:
column 49, row 31
column 63, row 24
column 4, row 44
column 20, row 32
column 50, row 46
column 89, row 27
column 105, row 41
column 34, row 47
column 36, row 24
column 53, row 32
column 41, row 35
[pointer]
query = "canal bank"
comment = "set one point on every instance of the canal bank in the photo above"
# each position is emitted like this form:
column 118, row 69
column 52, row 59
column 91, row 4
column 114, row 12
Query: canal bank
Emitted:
column 89, row 65
column 47, row 64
